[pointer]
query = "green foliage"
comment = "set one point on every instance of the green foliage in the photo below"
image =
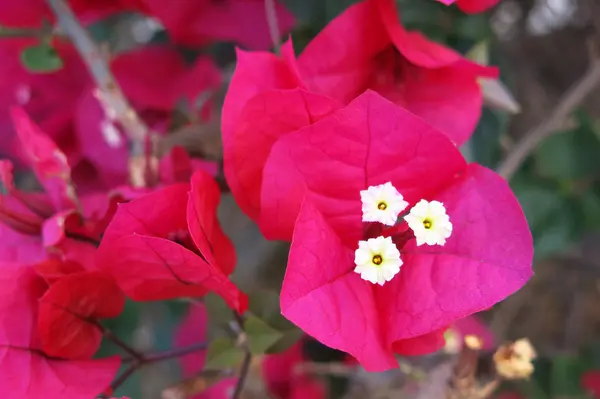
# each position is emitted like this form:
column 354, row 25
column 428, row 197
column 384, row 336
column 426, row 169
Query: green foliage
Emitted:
column 260, row 335
column 41, row 58
column 265, row 306
column 551, row 214
column 572, row 154
column 223, row 353
column 556, row 377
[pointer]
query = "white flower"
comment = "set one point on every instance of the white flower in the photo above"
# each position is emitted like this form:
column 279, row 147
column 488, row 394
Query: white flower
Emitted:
column 382, row 204
column 377, row 260
column 429, row 222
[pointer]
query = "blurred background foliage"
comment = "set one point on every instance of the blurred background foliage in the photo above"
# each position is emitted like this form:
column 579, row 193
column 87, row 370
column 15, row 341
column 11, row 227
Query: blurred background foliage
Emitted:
column 540, row 46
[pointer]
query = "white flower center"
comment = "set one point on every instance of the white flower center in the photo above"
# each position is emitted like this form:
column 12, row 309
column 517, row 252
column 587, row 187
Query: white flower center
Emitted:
column 382, row 203
column 377, row 260
column 429, row 222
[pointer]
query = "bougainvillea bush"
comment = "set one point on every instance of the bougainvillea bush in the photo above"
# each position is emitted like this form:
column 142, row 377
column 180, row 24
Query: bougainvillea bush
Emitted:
column 344, row 144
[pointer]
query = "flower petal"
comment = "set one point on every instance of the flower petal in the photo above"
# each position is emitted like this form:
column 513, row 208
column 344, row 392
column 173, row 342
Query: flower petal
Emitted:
column 325, row 298
column 487, row 258
column 370, row 142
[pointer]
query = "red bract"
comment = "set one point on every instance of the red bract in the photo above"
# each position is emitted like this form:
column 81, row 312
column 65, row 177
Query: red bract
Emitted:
column 69, row 311
column 153, row 91
column 177, row 166
column 158, row 248
column 49, row 98
column 203, row 21
column 321, row 169
column 27, row 371
column 472, row 6
column 377, row 53
column 591, row 382
column 472, row 325
column 55, row 221
column 48, row 162
column 285, row 379
column 33, row 12
column 192, row 331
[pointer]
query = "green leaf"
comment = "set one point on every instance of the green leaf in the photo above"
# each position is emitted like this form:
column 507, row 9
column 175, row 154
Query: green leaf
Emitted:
column 570, row 155
column 265, row 305
column 288, row 339
column 551, row 215
column 261, row 336
column 590, row 209
column 565, row 376
column 485, row 142
column 223, row 353
column 217, row 309
column 42, row 58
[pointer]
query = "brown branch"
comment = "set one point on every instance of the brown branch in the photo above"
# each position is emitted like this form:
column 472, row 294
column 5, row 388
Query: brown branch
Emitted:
column 556, row 119
column 111, row 93
column 239, row 387
column 137, row 357
column 271, row 13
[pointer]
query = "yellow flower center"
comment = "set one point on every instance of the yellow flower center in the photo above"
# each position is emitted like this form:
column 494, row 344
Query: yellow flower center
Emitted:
column 382, row 206
column 377, row 260
column 427, row 224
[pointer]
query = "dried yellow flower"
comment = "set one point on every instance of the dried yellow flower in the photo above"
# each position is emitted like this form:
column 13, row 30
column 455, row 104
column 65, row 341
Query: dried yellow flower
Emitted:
column 514, row 360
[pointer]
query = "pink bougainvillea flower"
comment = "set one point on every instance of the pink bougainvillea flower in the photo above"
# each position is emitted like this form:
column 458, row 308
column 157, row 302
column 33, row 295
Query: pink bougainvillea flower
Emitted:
column 49, row 98
column 53, row 224
column 377, row 53
column 33, row 12
column 158, row 248
column 153, row 92
column 472, row 6
column 285, row 379
column 191, row 331
column 48, row 162
column 200, row 22
column 590, row 381
column 311, row 183
column 27, row 371
column 178, row 167
column 69, row 311
column 473, row 325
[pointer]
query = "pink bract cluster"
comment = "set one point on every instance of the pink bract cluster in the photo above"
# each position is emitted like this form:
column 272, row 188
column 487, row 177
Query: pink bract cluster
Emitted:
column 303, row 135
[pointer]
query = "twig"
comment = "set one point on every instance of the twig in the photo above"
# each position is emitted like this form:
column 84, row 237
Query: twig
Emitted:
column 124, row 376
column 239, row 387
column 137, row 357
column 271, row 13
column 238, row 327
column 173, row 353
column 556, row 119
column 112, row 94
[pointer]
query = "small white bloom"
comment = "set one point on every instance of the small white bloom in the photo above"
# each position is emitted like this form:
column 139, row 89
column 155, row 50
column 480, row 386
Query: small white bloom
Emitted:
column 382, row 203
column 429, row 222
column 377, row 260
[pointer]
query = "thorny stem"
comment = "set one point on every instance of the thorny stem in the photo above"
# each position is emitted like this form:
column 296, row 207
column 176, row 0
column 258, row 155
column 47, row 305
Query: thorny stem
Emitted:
column 271, row 14
column 111, row 93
